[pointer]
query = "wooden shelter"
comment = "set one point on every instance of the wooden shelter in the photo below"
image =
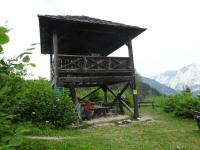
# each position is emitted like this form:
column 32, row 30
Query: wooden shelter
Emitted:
column 79, row 47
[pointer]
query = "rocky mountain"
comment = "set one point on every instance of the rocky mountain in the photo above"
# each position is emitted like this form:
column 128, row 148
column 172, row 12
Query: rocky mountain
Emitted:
column 161, row 88
column 178, row 80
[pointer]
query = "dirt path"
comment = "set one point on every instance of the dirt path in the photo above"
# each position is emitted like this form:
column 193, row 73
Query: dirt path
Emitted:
column 99, row 122
column 49, row 138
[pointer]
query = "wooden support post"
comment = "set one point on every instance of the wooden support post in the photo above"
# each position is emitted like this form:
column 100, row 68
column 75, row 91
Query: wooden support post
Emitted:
column 119, row 94
column 126, row 106
column 122, row 101
column 118, row 97
column 105, row 94
column 55, row 51
column 133, row 82
column 51, row 76
column 75, row 100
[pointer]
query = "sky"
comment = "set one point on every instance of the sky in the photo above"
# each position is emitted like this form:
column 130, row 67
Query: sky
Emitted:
column 171, row 41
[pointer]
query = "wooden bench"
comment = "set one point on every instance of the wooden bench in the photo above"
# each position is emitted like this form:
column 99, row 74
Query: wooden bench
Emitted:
column 196, row 115
column 146, row 103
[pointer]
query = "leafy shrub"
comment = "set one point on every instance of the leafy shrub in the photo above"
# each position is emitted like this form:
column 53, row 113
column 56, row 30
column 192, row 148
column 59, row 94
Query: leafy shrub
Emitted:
column 11, row 137
column 181, row 104
column 41, row 104
column 35, row 101
column 5, row 126
column 10, row 87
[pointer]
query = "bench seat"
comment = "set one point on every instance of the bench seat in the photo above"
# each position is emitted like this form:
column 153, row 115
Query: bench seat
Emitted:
column 196, row 116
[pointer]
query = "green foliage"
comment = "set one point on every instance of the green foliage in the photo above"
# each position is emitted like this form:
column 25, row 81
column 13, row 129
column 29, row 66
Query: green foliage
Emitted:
column 129, row 98
column 34, row 101
column 10, row 88
column 144, row 90
column 33, row 145
column 4, row 39
column 46, row 106
column 164, row 132
column 5, row 124
column 97, row 96
column 159, row 101
column 3, row 30
column 16, row 65
column 10, row 137
column 180, row 104
column 3, row 36
column 1, row 49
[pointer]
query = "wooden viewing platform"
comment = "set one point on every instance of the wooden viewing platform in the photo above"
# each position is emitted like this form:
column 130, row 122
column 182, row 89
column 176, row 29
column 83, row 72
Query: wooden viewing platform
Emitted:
column 79, row 49
column 92, row 69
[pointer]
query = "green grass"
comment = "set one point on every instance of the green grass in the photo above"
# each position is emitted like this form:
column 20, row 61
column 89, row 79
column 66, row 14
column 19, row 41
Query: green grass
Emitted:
column 166, row 133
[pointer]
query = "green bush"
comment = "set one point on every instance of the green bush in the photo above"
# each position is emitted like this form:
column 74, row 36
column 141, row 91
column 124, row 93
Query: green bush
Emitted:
column 181, row 104
column 10, row 88
column 41, row 104
column 35, row 101
column 11, row 137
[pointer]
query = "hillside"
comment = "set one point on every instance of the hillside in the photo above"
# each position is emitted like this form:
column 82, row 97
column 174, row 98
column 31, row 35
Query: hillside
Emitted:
column 161, row 88
column 147, row 90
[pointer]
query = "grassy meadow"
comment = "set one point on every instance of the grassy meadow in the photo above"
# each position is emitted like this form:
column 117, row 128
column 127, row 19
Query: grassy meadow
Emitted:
column 166, row 132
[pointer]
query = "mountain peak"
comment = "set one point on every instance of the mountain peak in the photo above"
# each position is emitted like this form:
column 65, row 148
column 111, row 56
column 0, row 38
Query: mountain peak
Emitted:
column 188, row 75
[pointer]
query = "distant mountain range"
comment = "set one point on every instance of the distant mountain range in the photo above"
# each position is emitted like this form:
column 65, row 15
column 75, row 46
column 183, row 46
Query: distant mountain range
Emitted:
column 161, row 88
column 178, row 80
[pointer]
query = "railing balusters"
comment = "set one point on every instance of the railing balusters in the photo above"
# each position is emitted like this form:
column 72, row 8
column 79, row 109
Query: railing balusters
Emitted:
column 93, row 63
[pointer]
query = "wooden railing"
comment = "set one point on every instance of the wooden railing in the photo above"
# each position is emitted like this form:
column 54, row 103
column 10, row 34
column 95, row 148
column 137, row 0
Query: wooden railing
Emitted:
column 93, row 63
column 90, row 70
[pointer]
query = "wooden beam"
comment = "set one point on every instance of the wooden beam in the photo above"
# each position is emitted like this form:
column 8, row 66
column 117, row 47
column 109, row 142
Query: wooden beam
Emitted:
column 90, row 93
column 118, row 97
column 126, row 106
column 105, row 94
column 96, row 71
column 133, row 81
column 75, row 100
column 122, row 101
column 95, row 79
column 55, row 61
column 111, row 92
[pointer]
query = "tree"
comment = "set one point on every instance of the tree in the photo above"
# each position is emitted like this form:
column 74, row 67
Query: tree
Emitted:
column 13, row 65
column 187, row 90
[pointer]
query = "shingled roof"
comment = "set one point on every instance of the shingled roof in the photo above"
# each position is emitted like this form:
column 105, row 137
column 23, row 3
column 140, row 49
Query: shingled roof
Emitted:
column 83, row 34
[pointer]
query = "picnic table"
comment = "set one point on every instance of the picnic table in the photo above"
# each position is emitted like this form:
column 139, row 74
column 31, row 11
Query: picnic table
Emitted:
column 99, row 110
column 93, row 109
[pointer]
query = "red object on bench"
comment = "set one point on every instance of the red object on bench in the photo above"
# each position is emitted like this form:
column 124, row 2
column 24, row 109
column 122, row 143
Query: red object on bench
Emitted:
column 88, row 106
